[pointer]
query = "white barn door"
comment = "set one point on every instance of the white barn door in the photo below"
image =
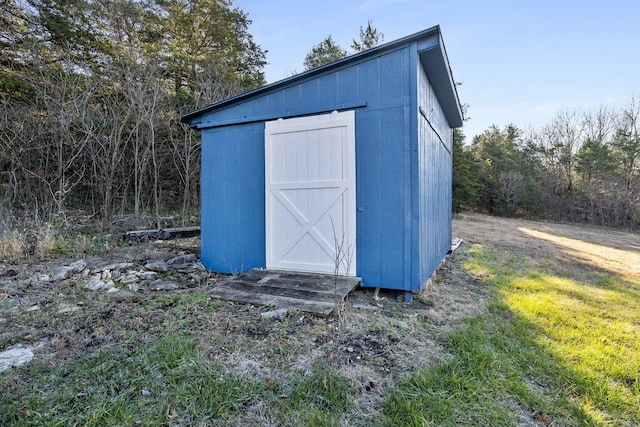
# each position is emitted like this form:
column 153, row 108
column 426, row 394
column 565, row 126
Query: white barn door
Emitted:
column 311, row 194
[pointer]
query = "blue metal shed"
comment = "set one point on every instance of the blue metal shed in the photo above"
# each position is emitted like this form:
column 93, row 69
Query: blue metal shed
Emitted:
column 344, row 167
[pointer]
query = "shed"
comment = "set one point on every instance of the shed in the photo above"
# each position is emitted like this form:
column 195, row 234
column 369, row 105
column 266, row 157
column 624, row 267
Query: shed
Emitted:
column 344, row 169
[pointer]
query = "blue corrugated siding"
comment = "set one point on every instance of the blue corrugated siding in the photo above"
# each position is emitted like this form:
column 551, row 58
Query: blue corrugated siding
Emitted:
column 232, row 188
column 393, row 193
column 369, row 167
column 434, row 159
column 388, row 176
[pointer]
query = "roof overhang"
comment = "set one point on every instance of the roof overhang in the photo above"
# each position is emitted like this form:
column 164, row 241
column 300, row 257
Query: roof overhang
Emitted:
column 435, row 62
column 433, row 58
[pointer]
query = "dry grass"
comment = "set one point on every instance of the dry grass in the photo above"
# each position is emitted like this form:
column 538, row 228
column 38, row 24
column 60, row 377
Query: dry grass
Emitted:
column 13, row 246
column 619, row 256
column 45, row 241
column 23, row 238
column 593, row 248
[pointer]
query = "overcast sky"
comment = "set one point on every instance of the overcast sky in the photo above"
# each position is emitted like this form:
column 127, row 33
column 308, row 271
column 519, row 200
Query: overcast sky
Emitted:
column 519, row 61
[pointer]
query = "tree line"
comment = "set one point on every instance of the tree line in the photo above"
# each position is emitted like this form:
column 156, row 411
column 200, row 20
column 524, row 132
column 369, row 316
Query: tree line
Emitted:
column 581, row 167
column 92, row 92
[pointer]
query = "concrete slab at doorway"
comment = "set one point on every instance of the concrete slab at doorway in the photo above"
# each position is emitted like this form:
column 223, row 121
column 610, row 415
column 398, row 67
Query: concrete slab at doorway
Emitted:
column 311, row 292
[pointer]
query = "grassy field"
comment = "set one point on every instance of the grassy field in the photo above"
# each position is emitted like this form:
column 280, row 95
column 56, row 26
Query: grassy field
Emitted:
column 561, row 337
column 553, row 338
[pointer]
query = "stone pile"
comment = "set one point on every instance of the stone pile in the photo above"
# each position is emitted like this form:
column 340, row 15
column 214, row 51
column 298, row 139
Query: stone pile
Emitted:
column 159, row 271
column 152, row 270
column 48, row 285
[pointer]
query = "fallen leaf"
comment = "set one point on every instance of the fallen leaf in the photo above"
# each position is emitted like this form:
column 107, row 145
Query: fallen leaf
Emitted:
column 539, row 415
column 270, row 383
column 174, row 414
column 324, row 382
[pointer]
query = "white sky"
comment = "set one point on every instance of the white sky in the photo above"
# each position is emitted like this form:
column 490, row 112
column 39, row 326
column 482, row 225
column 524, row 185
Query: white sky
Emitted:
column 520, row 61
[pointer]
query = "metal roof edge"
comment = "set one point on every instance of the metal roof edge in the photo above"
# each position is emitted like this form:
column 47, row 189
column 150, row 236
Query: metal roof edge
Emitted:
column 453, row 83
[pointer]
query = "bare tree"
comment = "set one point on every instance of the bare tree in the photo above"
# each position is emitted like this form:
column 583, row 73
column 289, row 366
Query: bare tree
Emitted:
column 599, row 124
column 208, row 86
column 109, row 125
column 61, row 97
column 630, row 115
column 143, row 91
column 186, row 158
column 509, row 191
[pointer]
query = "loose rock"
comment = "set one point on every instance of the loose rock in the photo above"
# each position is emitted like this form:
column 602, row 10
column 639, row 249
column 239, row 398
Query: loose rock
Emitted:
column 9, row 304
column 63, row 273
column 121, row 266
column 181, row 259
column 78, row 266
column 157, row 266
column 147, row 275
column 279, row 314
column 155, row 254
column 119, row 294
column 67, row 308
column 15, row 356
column 130, row 278
column 163, row 285
column 97, row 284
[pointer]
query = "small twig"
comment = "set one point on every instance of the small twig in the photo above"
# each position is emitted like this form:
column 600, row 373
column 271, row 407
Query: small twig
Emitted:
column 402, row 341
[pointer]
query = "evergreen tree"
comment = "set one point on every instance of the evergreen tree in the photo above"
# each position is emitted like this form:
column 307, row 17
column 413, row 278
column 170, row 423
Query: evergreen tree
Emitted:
column 369, row 38
column 626, row 149
column 15, row 34
column 504, row 174
column 328, row 50
column 594, row 160
column 323, row 53
column 465, row 186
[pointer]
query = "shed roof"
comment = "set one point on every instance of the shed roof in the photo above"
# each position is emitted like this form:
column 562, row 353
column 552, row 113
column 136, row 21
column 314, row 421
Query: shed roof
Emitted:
column 430, row 49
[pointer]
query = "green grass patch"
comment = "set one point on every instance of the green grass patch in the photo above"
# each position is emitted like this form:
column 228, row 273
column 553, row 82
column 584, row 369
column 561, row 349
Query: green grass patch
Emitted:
column 550, row 346
column 317, row 398
column 9, row 342
column 165, row 384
